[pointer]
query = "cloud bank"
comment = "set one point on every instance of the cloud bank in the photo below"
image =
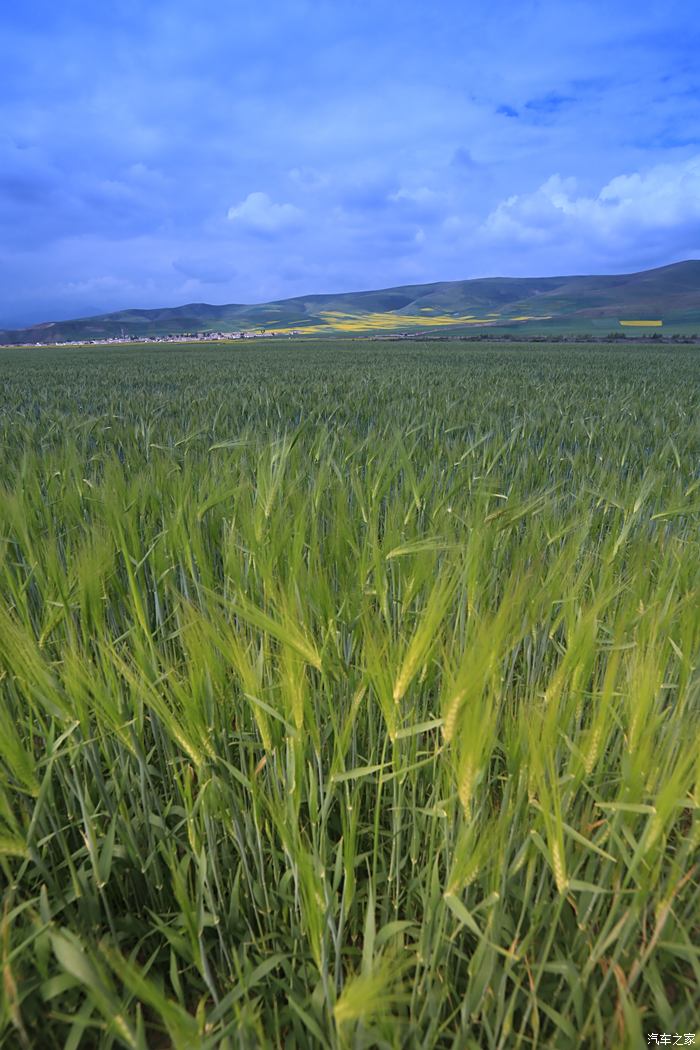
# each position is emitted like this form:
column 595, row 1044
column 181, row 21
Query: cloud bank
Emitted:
column 657, row 209
column 162, row 154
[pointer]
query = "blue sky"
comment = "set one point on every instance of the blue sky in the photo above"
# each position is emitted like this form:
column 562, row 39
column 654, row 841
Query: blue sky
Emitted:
column 159, row 153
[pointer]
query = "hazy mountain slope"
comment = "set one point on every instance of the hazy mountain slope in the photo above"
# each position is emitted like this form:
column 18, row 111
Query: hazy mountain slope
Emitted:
column 669, row 293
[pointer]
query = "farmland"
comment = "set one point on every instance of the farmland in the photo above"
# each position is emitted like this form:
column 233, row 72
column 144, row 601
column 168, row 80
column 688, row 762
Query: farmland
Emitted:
column 349, row 696
column 526, row 306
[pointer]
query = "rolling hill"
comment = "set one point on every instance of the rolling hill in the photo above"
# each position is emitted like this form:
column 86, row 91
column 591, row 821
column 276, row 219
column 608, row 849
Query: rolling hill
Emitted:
column 575, row 304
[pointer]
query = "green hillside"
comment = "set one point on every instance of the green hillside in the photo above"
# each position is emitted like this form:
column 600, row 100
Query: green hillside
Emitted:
column 578, row 304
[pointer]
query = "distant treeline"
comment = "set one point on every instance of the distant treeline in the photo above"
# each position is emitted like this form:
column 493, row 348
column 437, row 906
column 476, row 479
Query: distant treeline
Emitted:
column 517, row 337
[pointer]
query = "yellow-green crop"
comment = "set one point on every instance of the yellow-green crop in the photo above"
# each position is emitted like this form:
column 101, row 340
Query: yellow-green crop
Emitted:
column 349, row 696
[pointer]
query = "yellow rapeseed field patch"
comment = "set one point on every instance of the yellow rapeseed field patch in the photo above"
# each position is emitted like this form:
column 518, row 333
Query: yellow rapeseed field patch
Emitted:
column 337, row 321
column 643, row 324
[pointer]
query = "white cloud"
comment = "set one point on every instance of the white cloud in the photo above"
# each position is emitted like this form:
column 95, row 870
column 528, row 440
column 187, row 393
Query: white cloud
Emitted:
column 422, row 195
column 261, row 214
column 662, row 201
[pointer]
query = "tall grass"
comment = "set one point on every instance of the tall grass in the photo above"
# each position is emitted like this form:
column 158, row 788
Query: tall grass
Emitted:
column 349, row 697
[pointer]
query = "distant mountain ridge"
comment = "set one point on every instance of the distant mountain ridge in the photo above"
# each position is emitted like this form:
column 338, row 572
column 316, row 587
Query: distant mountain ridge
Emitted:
column 595, row 303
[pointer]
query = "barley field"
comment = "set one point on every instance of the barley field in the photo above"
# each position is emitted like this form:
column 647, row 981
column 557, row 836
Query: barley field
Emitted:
column 349, row 696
